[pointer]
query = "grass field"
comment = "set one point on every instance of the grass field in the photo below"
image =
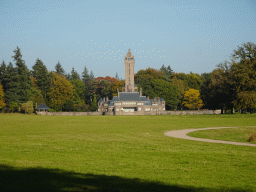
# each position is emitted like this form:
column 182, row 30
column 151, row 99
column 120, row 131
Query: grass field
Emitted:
column 121, row 153
column 240, row 134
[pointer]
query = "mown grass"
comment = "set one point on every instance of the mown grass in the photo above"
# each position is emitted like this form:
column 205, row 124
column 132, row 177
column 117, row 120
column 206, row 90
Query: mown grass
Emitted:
column 240, row 134
column 121, row 153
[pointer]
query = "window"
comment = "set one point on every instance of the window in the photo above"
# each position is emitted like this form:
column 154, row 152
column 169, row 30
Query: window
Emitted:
column 117, row 109
column 139, row 109
column 147, row 109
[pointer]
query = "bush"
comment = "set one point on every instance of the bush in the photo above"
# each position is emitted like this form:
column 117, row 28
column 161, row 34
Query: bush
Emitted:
column 252, row 138
column 27, row 107
column 51, row 110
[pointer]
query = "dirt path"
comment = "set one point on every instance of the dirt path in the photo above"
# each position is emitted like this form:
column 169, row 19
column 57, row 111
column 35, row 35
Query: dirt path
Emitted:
column 182, row 134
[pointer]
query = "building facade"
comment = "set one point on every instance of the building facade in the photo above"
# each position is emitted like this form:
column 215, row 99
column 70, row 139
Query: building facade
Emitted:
column 130, row 101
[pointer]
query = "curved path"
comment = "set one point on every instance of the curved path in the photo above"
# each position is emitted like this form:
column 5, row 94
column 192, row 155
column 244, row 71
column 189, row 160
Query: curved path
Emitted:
column 182, row 134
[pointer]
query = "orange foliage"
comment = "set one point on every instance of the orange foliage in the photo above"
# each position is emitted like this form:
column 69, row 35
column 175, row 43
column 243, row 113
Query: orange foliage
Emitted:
column 2, row 102
column 107, row 78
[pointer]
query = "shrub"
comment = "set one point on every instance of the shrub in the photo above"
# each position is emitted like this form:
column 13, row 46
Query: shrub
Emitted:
column 252, row 138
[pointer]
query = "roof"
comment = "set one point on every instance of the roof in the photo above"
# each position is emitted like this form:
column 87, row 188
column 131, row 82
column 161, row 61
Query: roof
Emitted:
column 42, row 106
column 129, row 96
column 101, row 100
column 129, row 54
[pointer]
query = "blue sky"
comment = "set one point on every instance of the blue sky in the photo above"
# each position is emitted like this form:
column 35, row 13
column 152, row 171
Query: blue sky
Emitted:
column 191, row 35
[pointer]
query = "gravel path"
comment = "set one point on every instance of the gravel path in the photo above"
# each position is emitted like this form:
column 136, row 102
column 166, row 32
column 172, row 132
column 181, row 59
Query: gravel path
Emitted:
column 182, row 134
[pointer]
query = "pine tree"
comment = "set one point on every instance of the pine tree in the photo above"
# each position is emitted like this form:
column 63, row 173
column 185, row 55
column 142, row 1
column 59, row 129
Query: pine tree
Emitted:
column 91, row 76
column 117, row 77
column 42, row 78
column 2, row 71
column 59, row 69
column 94, row 105
column 25, row 83
column 10, row 84
column 86, row 80
column 74, row 75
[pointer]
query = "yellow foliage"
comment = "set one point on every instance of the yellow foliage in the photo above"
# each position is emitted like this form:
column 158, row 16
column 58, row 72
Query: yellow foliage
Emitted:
column 2, row 101
column 60, row 92
column 192, row 99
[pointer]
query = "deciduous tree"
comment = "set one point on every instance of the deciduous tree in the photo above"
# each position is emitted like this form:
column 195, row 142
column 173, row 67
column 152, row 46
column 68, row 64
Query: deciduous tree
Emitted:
column 2, row 101
column 192, row 99
column 60, row 92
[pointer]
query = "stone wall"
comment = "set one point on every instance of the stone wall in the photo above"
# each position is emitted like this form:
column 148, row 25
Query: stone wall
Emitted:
column 68, row 113
column 194, row 112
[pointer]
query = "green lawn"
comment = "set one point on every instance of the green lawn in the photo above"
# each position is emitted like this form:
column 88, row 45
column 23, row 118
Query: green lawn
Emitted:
column 121, row 153
column 240, row 134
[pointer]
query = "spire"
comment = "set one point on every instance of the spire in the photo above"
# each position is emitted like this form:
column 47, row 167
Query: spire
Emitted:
column 129, row 55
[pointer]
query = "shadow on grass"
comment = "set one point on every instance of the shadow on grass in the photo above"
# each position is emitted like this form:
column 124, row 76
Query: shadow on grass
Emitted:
column 41, row 179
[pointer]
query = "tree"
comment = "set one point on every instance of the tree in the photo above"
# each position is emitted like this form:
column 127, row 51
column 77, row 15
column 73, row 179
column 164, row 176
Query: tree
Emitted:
column 86, row 80
column 168, row 91
column 41, row 75
column 2, row 71
column 244, row 78
column 115, row 86
column 74, row 75
column 36, row 96
column 24, row 81
column 59, row 70
column 94, row 105
column 60, row 92
column 79, row 89
column 117, row 77
column 103, row 89
column 10, row 84
column 192, row 99
column 68, row 105
column 179, row 84
column 245, row 52
column 167, row 72
column 13, row 105
column 2, row 101
column 27, row 107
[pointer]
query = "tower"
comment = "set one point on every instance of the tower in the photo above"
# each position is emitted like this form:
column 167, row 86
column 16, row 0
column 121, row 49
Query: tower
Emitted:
column 129, row 63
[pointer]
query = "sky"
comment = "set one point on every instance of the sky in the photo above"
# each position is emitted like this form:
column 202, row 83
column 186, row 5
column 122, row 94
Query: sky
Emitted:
column 188, row 35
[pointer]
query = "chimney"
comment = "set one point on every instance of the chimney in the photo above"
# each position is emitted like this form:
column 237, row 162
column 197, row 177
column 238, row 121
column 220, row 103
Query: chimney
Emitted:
column 117, row 92
column 148, row 97
column 107, row 99
column 141, row 92
column 104, row 99
column 155, row 98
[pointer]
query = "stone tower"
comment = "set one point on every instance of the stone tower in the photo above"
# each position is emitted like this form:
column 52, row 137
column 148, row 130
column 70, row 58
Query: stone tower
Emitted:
column 129, row 63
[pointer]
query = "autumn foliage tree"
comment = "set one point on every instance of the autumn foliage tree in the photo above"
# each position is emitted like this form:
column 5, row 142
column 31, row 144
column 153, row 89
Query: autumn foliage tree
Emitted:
column 2, row 101
column 61, row 90
column 192, row 99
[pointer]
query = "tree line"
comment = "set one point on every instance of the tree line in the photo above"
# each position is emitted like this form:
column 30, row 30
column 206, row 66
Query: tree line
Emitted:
column 231, row 86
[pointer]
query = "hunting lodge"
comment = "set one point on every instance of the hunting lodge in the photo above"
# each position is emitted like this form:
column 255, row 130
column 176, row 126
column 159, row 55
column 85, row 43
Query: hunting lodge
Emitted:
column 130, row 101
